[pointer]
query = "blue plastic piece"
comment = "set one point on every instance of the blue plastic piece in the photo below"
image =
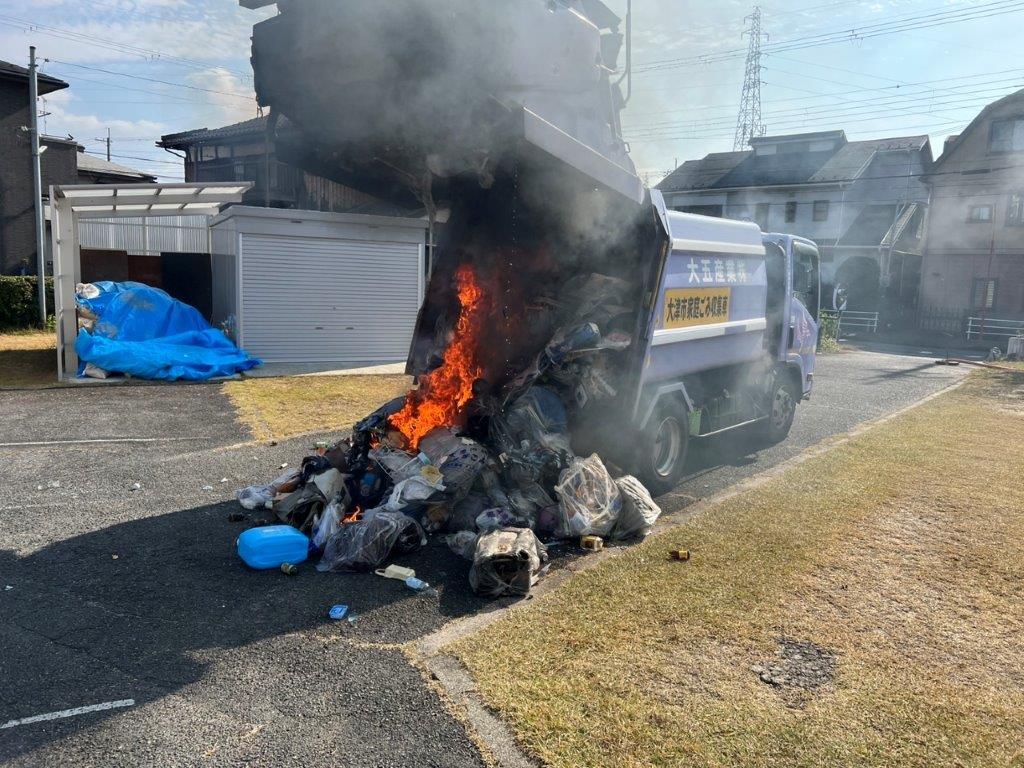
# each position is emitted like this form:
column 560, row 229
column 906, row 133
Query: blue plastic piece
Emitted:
column 271, row 545
column 338, row 612
column 143, row 332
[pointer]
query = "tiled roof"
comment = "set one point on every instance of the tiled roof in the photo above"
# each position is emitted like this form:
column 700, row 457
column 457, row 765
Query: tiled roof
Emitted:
column 725, row 170
column 256, row 126
column 92, row 164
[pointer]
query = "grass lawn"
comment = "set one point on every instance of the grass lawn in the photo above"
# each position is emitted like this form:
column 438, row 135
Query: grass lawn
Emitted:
column 878, row 587
column 284, row 407
column 28, row 359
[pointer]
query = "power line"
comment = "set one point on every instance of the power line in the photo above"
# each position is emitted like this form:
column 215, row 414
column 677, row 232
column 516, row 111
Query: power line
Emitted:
column 153, row 80
column 113, row 45
column 837, row 112
column 865, row 32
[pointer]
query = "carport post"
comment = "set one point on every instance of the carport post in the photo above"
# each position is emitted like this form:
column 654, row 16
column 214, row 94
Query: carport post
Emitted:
column 66, row 272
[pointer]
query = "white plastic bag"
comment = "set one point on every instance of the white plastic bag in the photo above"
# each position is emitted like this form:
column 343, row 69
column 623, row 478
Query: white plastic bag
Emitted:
column 412, row 491
column 589, row 502
column 330, row 521
column 639, row 512
column 262, row 496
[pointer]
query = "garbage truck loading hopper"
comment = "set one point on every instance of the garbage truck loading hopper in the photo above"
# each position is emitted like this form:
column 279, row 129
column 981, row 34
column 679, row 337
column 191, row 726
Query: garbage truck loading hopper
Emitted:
column 400, row 98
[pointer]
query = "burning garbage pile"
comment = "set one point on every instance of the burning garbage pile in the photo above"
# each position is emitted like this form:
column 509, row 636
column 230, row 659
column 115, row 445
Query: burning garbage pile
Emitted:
column 489, row 466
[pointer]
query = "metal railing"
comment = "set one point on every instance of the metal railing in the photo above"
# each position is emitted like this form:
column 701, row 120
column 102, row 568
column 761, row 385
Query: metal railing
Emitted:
column 981, row 327
column 852, row 321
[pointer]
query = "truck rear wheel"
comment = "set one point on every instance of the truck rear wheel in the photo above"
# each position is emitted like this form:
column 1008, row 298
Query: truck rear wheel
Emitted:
column 782, row 400
column 663, row 448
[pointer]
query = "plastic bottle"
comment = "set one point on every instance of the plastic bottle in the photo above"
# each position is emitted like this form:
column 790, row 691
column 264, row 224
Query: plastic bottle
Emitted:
column 416, row 585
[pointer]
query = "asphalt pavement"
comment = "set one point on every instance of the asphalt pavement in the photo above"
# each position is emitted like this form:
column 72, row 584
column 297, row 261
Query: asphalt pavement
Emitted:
column 132, row 598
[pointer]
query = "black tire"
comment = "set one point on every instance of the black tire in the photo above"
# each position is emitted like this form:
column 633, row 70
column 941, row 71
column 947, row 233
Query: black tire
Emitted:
column 661, row 455
column 782, row 402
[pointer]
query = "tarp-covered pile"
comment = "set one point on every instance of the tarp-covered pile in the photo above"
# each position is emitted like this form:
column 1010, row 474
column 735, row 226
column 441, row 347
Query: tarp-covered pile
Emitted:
column 133, row 329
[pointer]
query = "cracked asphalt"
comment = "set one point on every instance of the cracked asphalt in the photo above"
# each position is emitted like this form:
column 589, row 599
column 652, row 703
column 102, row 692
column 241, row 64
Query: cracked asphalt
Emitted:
column 109, row 593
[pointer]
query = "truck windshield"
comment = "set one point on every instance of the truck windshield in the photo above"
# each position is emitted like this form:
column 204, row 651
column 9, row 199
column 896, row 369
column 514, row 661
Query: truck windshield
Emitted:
column 806, row 282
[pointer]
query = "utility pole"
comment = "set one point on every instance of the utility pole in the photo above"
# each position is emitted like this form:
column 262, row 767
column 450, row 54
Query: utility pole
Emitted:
column 37, row 181
column 748, row 124
column 108, row 145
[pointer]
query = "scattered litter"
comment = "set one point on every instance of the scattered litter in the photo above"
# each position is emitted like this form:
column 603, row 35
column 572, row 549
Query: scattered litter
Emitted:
column 114, row 557
column 55, row 483
column 289, row 569
column 237, row 517
column 39, row 487
column 338, row 612
column 679, row 554
column 223, row 480
column 396, row 572
column 136, row 487
column 8, row 588
column 416, row 585
column 284, row 465
column 207, row 488
column 592, row 543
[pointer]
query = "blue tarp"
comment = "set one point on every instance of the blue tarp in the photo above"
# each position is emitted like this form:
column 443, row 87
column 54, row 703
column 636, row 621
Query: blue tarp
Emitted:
column 144, row 332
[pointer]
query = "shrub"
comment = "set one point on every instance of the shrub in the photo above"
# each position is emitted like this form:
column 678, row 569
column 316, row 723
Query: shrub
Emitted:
column 828, row 336
column 19, row 306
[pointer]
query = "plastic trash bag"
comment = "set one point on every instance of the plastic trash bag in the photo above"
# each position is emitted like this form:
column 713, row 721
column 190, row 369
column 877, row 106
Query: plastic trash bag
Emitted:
column 537, row 417
column 506, row 562
column 639, row 512
column 465, row 512
column 413, row 491
column 589, row 502
column 462, row 543
column 262, row 496
column 493, row 519
column 365, row 545
column 330, row 522
column 399, row 465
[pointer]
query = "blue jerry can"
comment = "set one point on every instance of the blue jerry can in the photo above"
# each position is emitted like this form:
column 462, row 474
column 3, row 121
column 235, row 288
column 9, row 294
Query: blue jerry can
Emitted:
column 271, row 545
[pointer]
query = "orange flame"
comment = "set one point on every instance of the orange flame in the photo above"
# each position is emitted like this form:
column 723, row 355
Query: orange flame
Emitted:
column 444, row 391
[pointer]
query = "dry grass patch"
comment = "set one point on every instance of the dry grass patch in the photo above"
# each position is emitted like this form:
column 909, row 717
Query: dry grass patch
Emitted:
column 284, row 407
column 895, row 558
column 28, row 359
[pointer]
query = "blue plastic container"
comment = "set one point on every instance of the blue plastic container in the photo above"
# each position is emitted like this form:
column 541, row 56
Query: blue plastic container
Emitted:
column 270, row 545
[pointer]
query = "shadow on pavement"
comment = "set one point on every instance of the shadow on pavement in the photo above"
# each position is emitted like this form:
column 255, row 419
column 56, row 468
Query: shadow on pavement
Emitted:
column 130, row 610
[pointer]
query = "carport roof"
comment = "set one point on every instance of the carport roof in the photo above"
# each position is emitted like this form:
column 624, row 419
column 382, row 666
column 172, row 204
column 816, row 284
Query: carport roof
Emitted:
column 108, row 200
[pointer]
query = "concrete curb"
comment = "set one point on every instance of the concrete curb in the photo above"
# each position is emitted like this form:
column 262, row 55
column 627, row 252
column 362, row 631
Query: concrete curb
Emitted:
column 456, row 682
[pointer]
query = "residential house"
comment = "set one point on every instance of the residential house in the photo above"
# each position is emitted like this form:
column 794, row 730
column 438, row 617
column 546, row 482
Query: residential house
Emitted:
column 245, row 152
column 974, row 244
column 862, row 202
column 17, row 209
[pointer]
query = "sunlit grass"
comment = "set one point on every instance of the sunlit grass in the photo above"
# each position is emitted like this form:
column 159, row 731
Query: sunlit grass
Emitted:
column 899, row 552
column 28, row 359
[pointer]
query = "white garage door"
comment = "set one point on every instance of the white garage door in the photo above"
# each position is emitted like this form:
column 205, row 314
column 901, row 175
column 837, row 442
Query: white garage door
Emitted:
column 316, row 300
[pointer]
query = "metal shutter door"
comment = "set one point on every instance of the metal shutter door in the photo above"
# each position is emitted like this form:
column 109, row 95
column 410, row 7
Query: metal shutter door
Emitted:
column 317, row 300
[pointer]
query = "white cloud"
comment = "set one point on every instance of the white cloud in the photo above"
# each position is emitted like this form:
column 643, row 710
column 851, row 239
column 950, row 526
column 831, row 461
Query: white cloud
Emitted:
column 226, row 86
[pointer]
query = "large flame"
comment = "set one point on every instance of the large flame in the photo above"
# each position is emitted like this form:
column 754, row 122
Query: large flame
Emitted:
column 445, row 390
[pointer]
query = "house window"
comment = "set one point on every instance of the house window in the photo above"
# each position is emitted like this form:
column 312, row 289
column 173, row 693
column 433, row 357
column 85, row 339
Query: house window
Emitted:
column 1006, row 135
column 979, row 213
column 761, row 215
column 1015, row 210
column 791, row 211
column 821, row 210
column 983, row 294
column 208, row 153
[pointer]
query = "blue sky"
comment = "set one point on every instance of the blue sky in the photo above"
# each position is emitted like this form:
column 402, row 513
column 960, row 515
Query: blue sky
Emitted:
column 925, row 80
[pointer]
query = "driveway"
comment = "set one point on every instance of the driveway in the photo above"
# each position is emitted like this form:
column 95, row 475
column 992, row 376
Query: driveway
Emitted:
column 112, row 594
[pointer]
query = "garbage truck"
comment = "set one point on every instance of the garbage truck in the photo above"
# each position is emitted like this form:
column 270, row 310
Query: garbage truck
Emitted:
column 554, row 262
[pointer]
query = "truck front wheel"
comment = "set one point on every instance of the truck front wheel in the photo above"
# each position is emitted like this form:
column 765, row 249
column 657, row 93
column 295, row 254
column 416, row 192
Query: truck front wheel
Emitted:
column 663, row 448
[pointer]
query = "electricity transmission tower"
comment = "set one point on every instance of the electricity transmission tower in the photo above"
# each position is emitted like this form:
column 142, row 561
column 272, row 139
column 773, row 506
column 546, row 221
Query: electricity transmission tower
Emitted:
column 748, row 124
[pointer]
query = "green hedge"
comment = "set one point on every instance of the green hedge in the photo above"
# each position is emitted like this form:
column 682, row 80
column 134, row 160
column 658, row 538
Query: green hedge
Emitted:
column 19, row 303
